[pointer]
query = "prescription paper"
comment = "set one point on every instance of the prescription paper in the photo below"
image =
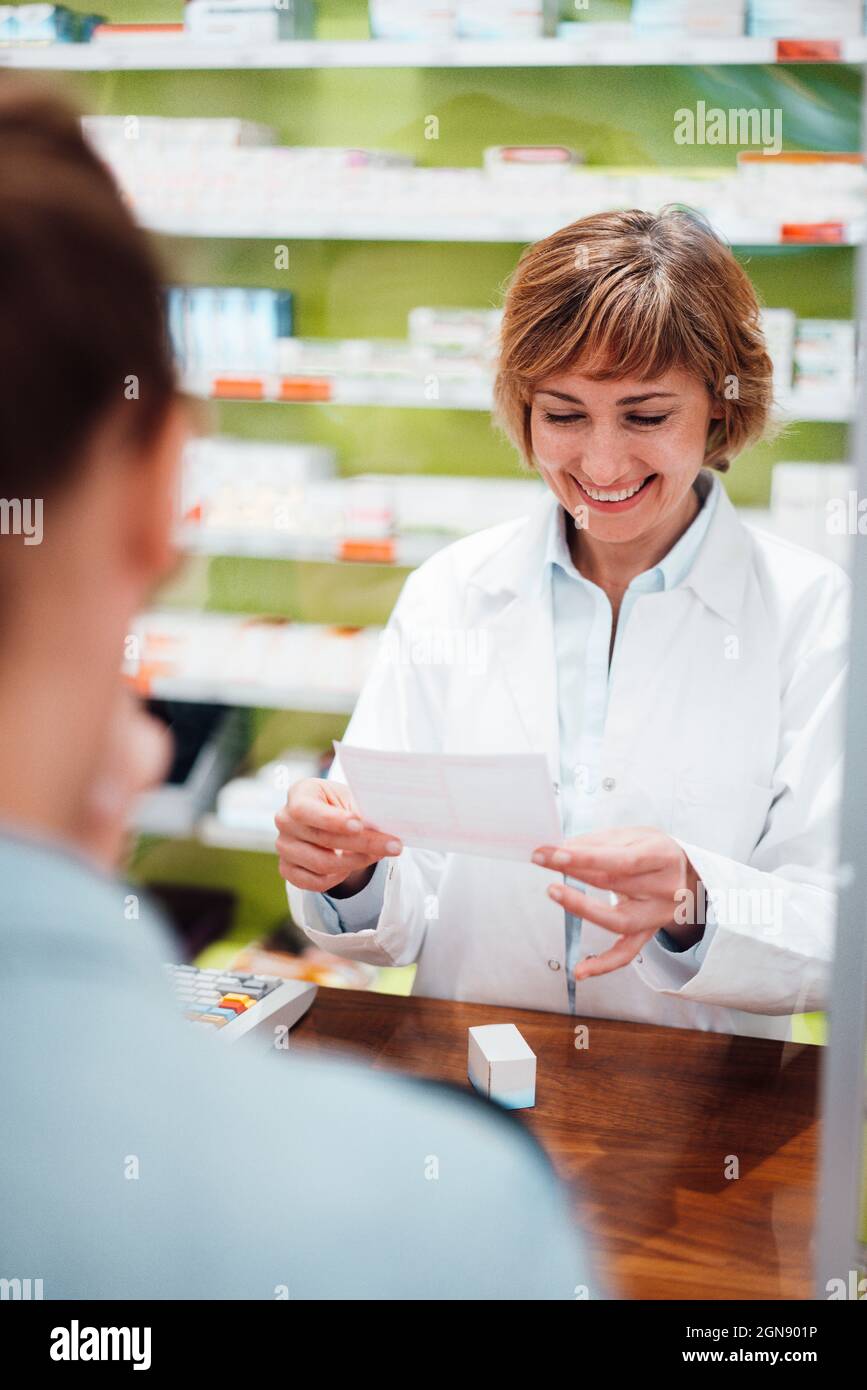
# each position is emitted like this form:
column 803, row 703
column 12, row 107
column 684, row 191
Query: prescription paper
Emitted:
column 501, row 806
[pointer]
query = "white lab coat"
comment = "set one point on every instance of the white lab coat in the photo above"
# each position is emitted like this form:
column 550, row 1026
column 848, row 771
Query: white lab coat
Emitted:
column 724, row 729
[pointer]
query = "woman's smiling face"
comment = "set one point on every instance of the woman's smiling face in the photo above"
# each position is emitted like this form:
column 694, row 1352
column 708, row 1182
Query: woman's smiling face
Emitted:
column 621, row 455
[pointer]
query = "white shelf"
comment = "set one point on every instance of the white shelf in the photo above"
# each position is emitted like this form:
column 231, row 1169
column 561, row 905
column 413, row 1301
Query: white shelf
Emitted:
column 249, row 661
column 212, row 831
column 813, row 406
column 265, row 387
column 248, row 695
column 408, row 551
column 186, row 55
column 520, row 229
column 209, row 830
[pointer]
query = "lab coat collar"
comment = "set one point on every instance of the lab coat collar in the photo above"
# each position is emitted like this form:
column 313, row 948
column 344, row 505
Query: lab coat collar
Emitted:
column 720, row 569
column 717, row 575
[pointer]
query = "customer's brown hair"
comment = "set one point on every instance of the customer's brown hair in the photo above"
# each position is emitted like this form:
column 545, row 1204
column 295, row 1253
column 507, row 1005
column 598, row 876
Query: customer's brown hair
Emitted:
column 634, row 294
column 82, row 323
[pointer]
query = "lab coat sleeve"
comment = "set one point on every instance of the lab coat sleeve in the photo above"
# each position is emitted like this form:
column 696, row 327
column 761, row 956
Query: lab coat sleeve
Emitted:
column 355, row 913
column 696, row 953
column 399, row 709
column 772, row 939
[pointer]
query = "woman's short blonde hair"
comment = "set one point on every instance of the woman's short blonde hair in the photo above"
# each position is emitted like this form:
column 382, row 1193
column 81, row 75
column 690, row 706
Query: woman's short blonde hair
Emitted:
column 635, row 294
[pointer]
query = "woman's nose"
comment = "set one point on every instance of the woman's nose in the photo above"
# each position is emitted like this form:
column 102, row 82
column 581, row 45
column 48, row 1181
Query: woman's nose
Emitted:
column 602, row 460
column 602, row 469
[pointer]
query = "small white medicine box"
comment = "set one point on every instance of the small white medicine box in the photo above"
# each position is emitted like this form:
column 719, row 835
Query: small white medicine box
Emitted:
column 502, row 1066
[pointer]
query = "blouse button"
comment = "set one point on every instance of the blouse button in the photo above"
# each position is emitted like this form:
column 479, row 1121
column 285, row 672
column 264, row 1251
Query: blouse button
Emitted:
column 553, row 965
column 608, row 784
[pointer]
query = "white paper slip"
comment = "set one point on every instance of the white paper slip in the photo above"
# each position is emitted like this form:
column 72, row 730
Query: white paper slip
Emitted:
column 501, row 806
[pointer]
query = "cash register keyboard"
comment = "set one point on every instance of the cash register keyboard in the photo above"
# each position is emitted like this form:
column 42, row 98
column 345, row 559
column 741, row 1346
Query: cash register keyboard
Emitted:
column 235, row 1004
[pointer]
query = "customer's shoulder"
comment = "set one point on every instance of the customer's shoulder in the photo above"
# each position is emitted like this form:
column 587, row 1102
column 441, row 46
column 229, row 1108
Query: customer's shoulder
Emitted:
column 295, row 1163
column 434, row 1192
column 58, row 909
column 396, row 1132
column 395, row 1113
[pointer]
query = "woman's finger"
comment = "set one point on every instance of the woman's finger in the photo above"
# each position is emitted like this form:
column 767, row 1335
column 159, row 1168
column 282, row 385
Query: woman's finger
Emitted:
column 618, row 955
column 638, row 886
column 316, row 823
column 300, row 877
column 628, row 916
column 318, row 860
column 581, row 862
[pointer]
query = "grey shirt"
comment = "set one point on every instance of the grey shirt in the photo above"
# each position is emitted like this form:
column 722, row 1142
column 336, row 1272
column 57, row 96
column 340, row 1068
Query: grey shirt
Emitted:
column 141, row 1160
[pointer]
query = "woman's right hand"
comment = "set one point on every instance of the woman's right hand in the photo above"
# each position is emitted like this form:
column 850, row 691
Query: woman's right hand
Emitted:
column 322, row 841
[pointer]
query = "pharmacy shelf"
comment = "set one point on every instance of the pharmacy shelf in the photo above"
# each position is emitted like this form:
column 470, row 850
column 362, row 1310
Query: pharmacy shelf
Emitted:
column 211, row 831
column 520, row 229
column 331, row 389
column 813, row 406
column 406, row 554
column 402, row 552
column 182, row 54
column 311, row 699
column 251, row 661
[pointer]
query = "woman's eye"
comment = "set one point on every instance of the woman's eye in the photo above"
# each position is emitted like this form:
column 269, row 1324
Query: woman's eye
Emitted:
column 561, row 419
column 643, row 421
column 647, row 419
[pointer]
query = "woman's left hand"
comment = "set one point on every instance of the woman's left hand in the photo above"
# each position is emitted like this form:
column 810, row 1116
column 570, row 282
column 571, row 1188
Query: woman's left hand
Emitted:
column 647, row 870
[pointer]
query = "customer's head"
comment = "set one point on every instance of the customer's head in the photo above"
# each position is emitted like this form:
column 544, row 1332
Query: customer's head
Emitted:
column 91, row 434
column 631, row 353
column 85, row 366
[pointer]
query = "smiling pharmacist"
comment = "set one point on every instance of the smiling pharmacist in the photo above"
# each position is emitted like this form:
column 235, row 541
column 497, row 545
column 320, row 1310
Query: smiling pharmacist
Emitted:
column 683, row 674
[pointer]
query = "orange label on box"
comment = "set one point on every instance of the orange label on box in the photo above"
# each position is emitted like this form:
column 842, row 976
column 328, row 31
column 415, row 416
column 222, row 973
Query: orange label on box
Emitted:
column 124, row 31
column 379, row 552
column 809, row 51
column 800, row 157
column 238, row 388
column 825, row 232
column 304, row 388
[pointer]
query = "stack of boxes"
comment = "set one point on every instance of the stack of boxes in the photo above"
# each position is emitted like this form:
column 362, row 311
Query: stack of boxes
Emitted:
column 697, row 19
column 463, row 19
column 804, row 19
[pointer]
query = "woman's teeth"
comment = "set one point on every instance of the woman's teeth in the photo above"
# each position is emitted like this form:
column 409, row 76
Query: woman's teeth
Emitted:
column 599, row 496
